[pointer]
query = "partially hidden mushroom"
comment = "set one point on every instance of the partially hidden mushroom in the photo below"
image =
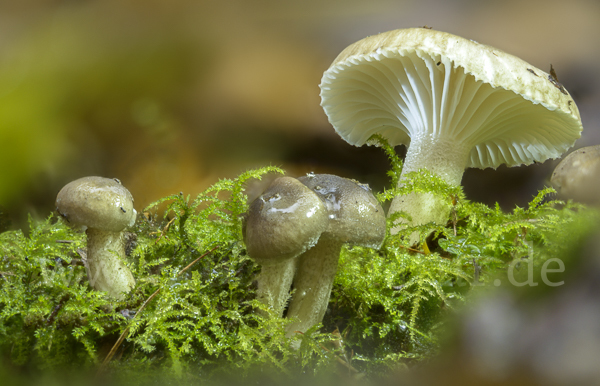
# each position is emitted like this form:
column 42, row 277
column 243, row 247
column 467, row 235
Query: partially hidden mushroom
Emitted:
column 354, row 218
column 577, row 176
column 104, row 208
column 281, row 224
column 454, row 102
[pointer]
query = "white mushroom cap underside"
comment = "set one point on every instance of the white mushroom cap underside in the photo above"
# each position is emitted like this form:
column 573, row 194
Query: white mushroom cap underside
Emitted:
column 422, row 82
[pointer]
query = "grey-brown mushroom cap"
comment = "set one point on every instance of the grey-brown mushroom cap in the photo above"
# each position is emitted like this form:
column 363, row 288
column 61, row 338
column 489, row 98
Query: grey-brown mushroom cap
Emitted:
column 96, row 202
column 284, row 222
column 355, row 215
column 420, row 82
column 577, row 176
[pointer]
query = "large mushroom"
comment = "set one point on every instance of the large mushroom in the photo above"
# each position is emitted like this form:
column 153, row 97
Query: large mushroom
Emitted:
column 458, row 103
column 105, row 208
column 354, row 218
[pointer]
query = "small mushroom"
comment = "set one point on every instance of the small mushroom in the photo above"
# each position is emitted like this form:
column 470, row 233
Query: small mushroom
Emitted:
column 105, row 208
column 577, row 177
column 457, row 103
column 284, row 222
column 354, row 217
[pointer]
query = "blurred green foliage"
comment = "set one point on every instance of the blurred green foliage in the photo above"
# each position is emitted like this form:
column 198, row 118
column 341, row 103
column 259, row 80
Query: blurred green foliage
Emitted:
column 72, row 85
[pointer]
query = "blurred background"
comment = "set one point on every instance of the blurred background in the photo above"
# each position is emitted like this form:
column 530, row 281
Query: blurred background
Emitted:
column 171, row 96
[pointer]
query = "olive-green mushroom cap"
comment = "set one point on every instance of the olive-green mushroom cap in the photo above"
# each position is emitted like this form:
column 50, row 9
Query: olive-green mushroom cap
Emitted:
column 285, row 221
column 98, row 203
column 577, row 176
column 354, row 215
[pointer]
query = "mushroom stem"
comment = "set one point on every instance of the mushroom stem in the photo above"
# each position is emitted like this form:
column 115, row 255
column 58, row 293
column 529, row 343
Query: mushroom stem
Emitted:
column 105, row 266
column 313, row 283
column 445, row 157
column 274, row 283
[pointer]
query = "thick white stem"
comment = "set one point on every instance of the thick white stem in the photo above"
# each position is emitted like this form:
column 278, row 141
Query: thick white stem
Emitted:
column 106, row 267
column 274, row 282
column 316, row 272
column 446, row 158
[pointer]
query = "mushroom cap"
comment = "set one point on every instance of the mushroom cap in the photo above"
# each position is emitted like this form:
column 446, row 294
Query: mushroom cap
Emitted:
column 355, row 216
column 577, row 176
column 96, row 202
column 284, row 222
column 415, row 82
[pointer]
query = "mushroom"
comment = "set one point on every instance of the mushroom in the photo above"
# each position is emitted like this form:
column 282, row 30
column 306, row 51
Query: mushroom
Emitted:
column 457, row 102
column 354, row 217
column 284, row 222
column 577, row 176
column 105, row 208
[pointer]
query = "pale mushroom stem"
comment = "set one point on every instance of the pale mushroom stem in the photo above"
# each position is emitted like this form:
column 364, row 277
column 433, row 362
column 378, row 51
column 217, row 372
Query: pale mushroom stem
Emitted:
column 445, row 157
column 313, row 283
column 274, row 282
column 106, row 268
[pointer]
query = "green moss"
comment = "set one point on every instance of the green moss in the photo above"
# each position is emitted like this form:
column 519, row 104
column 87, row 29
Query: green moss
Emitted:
column 387, row 308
